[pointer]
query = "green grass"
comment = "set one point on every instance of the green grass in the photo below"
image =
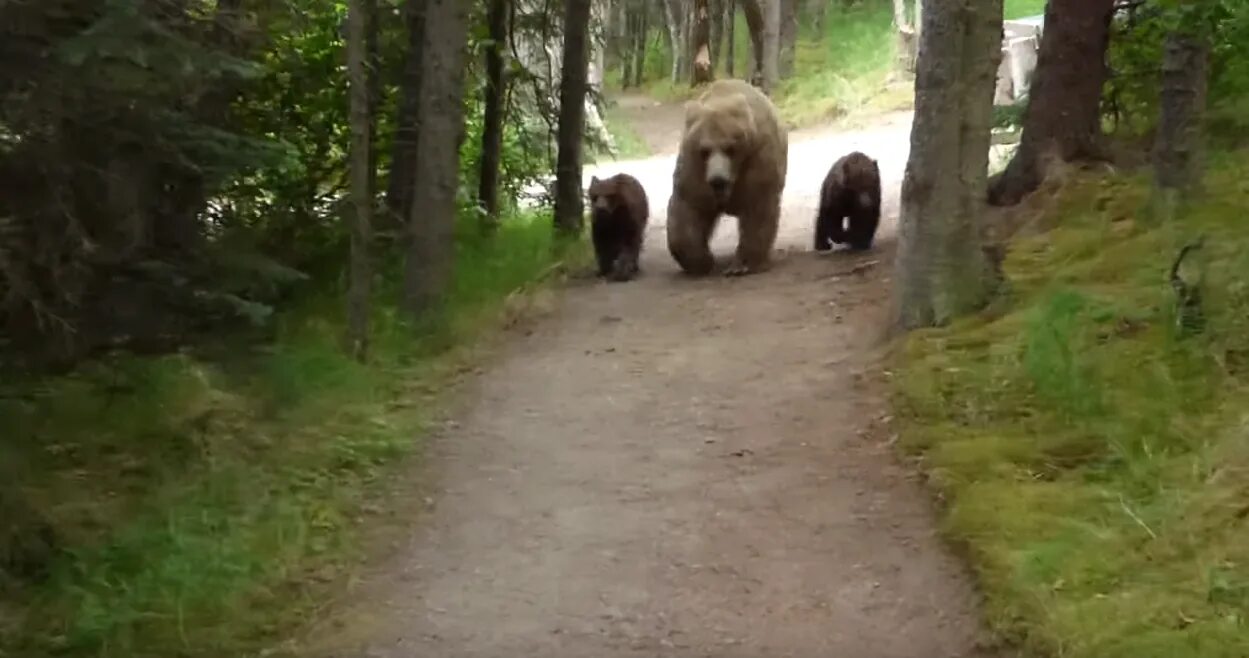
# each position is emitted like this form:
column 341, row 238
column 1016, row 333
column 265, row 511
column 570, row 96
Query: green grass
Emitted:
column 204, row 506
column 1094, row 461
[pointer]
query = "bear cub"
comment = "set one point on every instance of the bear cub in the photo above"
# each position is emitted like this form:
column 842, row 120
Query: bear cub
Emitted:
column 619, row 213
column 849, row 204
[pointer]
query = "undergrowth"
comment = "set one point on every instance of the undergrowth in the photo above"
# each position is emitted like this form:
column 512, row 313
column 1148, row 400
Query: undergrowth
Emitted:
column 1094, row 460
column 199, row 501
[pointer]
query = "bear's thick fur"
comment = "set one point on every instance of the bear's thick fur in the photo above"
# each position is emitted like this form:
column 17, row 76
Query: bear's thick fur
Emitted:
column 619, row 212
column 849, row 203
column 732, row 161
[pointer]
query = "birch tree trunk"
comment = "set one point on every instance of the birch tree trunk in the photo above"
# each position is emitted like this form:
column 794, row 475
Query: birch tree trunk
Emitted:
column 942, row 271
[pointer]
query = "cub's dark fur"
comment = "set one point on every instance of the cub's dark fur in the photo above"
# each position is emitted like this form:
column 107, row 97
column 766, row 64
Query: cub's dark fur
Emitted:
column 849, row 203
column 619, row 213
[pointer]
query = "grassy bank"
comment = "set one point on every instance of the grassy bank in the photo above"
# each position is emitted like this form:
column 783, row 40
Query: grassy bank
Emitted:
column 1095, row 461
column 201, row 503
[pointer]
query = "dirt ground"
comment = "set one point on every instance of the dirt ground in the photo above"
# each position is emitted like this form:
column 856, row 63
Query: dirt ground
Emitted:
column 685, row 468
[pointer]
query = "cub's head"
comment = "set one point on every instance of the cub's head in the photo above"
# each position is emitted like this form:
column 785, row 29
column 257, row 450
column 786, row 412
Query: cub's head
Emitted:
column 604, row 194
column 720, row 136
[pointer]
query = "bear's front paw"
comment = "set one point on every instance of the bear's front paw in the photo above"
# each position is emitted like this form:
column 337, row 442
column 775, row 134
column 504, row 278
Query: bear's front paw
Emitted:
column 738, row 268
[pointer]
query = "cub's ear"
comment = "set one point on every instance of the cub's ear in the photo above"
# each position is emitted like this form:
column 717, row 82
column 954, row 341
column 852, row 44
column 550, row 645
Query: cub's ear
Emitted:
column 693, row 111
column 593, row 181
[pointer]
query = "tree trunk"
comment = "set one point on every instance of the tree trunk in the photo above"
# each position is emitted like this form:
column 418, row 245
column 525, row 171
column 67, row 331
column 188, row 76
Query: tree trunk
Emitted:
column 942, row 271
column 1063, row 117
column 493, row 114
column 1177, row 146
column 789, row 38
column 771, row 44
column 440, row 106
column 676, row 36
column 572, row 94
column 407, row 118
column 730, row 29
column 755, row 24
column 361, row 167
column 717, row 32
column 703, row 71
column 639, row 64
column 907, row 43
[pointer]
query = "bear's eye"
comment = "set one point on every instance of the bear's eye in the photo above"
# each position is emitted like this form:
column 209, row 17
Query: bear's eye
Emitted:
column 728, row 151
column 704, row 153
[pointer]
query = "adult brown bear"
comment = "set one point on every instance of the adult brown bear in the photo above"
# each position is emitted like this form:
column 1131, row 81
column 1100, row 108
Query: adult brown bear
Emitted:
column 732, row 161
column 619, row 212
column 849, row 204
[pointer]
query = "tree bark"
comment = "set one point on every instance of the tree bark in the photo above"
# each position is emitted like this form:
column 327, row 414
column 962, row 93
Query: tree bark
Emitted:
column 572, row 95
column 907, row 43
column 717, row 32
column 440, row 106
column 789, row 38
column 1177, row 145
column 703, row 71
column 361, row 167
column 493, row 114
column 639, row 64
column 730, row 30
column 755, row 24
column 407, row 117
column 771, row 44
column 676, row 36
column 1063, row 117
column 942, row 271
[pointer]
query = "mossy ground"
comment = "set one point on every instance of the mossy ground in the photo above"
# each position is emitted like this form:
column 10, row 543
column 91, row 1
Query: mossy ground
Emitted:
column 1094, row 459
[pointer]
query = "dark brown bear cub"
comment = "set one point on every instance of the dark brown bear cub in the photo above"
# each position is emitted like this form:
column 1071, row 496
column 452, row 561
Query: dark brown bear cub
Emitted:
column 619, row 212
column 849, row 204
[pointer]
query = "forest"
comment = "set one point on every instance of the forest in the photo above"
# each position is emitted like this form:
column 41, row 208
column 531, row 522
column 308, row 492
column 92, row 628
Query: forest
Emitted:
column 257, row 257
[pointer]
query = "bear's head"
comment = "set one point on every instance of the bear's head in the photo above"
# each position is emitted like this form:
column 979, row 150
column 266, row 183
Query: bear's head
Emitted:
column 720, row 133
column 604, row 194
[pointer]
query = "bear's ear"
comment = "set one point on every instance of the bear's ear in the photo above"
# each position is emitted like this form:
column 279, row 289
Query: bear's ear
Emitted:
column 693, row 110
column 593, row 181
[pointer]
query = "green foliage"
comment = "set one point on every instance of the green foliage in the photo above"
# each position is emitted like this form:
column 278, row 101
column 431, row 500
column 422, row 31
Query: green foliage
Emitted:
column 204, row 502
column 1094, row 459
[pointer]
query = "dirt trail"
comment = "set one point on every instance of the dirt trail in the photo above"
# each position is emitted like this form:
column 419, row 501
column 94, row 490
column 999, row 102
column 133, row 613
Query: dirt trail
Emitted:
column 680, row 468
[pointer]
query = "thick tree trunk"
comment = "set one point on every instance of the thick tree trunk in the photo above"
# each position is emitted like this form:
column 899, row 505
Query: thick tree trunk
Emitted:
column 1177, row 146
column 1063, row 118
column 755, row 23
column 942, row 271
column 771, row 44
column 789, row 38
column 407, row 117
column 493, row 114
column 703, row 71
column 361, row 167
column 572, row 95
column 432, row 215
column 730, row 30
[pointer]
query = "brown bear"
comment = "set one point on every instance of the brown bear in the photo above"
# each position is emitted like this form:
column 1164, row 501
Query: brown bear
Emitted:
column 619, row 212
column 849, row 204
column 732, row 161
